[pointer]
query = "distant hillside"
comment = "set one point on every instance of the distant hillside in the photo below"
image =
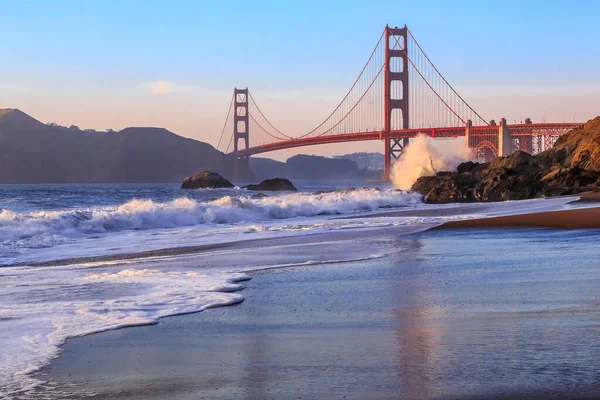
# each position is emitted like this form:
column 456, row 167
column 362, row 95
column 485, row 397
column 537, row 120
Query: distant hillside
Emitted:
column 310, row 167
column 265, row 168
column 33, row 152
column 368, row 161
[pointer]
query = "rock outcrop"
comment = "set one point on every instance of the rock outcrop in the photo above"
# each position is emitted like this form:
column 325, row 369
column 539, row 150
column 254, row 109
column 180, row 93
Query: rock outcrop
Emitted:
column 206, row 180
column 571, row 166
column 274, row 185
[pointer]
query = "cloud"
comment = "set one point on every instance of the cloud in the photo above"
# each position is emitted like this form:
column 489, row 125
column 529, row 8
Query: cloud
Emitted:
column 160, row 87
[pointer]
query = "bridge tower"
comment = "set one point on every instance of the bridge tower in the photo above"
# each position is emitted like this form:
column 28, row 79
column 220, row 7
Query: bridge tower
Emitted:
column 396, row 99
column 241, row 131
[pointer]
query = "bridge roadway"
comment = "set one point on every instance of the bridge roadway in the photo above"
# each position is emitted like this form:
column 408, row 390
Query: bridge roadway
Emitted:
column 517, row 130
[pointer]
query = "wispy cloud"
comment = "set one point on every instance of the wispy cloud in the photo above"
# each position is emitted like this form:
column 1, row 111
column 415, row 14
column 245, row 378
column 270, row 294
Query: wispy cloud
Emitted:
column 160, row 87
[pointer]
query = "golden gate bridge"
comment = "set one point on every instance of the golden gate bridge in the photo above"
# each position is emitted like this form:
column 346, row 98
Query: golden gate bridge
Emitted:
column 398, row 95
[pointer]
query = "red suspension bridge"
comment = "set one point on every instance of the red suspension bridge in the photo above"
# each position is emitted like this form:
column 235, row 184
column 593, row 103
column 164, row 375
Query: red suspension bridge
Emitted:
column 398, row 95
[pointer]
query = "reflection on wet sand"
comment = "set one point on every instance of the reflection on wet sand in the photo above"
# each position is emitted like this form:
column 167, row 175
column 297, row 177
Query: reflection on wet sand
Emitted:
column 453, row 315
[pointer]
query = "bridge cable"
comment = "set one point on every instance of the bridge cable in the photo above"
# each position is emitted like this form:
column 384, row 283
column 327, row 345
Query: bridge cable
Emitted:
column 266, row 119
column 349, row 91
column 226, row 120
column 428, row 84
column 264, row 130
column 355, row 105
column 331, row 114
column 230, row 140
column 444, row 79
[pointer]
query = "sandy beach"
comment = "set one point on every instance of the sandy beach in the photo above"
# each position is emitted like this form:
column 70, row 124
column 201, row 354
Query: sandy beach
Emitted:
column 582, row 218
column 589, row 197
column 457, row 314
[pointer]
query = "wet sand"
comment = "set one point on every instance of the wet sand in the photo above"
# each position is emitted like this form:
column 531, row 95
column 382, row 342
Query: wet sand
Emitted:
column 454, row 210
column 239, row 246
column 461, row 314
column 589, row 197
column 581, row 218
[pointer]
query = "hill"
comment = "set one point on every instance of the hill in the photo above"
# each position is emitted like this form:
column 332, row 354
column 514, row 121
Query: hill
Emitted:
column 368, row 161
column 33, row 152
column 310, row 167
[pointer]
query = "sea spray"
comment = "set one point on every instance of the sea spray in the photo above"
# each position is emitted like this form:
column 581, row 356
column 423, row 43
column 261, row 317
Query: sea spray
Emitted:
column 422, row 158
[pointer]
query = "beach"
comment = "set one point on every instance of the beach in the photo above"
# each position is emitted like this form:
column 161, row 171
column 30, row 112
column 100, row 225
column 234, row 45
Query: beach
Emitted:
column 296, row 200
column 584, row 218
column 454, row 314
column 357, row 294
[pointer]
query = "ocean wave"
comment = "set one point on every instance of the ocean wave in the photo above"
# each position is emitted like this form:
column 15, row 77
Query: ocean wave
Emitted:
column 47, row 228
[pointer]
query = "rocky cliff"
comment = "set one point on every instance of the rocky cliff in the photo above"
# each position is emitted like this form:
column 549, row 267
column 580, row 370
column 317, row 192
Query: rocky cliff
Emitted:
column 571, row 166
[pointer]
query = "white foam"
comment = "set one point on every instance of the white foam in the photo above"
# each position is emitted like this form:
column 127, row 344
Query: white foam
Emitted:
column 42, row 307
column 40, row 229
column 423, row 158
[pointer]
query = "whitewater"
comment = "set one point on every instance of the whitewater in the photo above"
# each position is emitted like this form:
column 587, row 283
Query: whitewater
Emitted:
column 45, row 299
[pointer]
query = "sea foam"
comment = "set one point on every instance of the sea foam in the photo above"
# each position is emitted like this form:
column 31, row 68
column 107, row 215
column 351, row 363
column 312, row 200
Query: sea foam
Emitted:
column 71, row 302
column 39, row 229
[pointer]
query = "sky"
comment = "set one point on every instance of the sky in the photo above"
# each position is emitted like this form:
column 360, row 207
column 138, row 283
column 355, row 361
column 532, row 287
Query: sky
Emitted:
column 113, row 64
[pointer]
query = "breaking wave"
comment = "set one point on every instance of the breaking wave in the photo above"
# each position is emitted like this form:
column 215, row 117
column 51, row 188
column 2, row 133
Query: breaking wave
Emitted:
column 47, row 228
column 422, row 158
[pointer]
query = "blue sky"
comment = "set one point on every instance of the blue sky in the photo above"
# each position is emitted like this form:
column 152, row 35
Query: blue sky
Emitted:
column 60, row 59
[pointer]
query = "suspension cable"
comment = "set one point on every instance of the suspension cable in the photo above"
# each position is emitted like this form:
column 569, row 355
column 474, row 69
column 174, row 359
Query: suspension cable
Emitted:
column 428, row 84
column 229, row 145
column 355, row 105
column 225, row 124
column 349, row 91
column 264, row 130
column 444, row 79
column 333, row 112
column 266, row 119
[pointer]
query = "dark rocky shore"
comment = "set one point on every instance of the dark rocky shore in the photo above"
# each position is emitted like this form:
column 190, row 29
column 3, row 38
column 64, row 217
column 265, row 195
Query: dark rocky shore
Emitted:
column 571, row 166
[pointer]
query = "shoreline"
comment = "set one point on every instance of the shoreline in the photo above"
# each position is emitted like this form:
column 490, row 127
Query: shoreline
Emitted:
column 316, row 331
column 577, row 218
column 530, row 220
column 588, row 197
column 269, row 245
column 199, row 249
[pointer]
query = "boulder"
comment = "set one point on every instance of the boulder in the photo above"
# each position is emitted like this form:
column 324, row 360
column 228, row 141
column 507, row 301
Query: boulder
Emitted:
column 571, row 177
column 273, row 185
column 519, row 161
column 206, row 180
column 572, row 166
column 443, row 189
column 470, row 166
column 580, row 148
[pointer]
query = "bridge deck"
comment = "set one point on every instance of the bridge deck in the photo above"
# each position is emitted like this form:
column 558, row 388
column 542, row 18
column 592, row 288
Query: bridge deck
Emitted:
column 543, row 129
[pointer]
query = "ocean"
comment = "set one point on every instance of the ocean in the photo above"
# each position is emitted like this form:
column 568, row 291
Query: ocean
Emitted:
column 81, row 259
